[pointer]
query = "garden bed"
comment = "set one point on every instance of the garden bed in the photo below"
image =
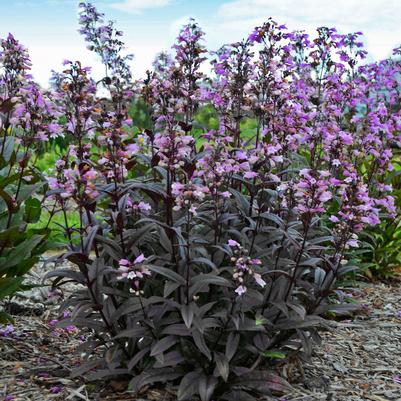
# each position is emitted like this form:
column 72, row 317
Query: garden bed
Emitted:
column 202, row 253
column 360, row 359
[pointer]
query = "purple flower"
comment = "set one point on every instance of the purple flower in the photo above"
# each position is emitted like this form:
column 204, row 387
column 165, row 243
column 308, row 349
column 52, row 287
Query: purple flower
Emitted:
column 7, row 331
column 55, row 389
column 70, row 329
column 145, row 207
column 325, row 196
column 139, row 259
column 133, row 149
column 353, row 243
column 250, row 174
column 241, row 290
column 233, row 243
column 334, row 219
column 259, row 280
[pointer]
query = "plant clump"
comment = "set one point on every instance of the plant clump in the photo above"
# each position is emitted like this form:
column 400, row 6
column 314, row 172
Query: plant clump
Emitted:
column 204, row 255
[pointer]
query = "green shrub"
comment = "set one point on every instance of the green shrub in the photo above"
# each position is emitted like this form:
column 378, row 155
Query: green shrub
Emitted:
column 21, row 244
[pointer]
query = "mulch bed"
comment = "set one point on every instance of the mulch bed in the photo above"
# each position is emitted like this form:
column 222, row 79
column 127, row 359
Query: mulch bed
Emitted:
column 360, row 359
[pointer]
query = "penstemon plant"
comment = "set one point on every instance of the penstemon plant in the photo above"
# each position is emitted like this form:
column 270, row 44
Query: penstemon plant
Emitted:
column 202, row 259
column 28, row 118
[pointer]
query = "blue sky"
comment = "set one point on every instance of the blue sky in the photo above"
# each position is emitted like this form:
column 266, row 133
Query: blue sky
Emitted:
column 49, row 27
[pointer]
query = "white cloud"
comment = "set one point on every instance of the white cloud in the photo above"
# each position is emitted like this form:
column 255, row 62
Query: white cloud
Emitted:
column 377, row 19
column 50, row 57
column 46, row 58
column 318, row 11
column 137, row 6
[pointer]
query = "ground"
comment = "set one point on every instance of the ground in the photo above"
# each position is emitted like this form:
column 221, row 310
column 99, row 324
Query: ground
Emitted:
column 359, row 359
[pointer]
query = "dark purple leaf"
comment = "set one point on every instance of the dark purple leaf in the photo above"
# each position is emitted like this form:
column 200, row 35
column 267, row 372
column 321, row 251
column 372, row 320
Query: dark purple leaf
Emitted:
column 232, row 345
column 206, row 384
column 162, row 345
column 187, row 313
column 189, row 386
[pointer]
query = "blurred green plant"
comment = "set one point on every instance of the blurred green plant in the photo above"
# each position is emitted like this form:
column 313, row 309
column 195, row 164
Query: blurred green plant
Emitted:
column 140, row 115
column 379, row 255
column 21, row 244
column 56, row 223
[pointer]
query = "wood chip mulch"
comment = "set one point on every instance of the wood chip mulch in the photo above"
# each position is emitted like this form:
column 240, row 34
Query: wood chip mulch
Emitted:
column 361, row 358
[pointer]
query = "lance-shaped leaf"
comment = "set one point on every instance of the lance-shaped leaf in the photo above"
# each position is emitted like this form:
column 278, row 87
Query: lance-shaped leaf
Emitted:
column 162, row 345
column 189, row 386
column 232, row 345
column 187, row 313
column 207, row 385
column 201, row 343
column 222, row 364
column 168, row 273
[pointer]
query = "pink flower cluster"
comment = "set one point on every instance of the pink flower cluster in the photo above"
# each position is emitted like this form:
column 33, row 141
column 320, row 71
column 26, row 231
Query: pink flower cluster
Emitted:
column 134, row 271
column 188, row 195
column 244, row 267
